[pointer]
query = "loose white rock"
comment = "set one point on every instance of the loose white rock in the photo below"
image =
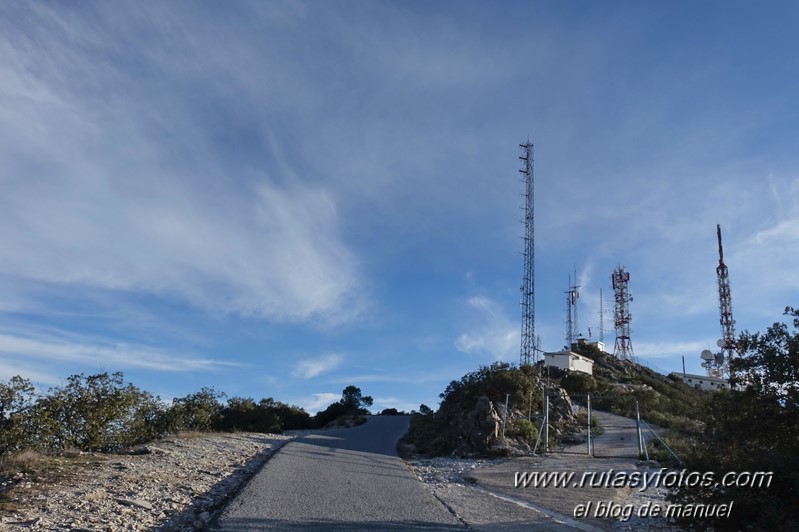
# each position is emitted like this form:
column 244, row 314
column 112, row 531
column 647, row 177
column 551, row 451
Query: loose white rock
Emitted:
column 174, row 486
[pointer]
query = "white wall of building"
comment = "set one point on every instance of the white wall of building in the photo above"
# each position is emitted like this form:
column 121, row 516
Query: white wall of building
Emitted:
column 703, row 382
column 569, row 361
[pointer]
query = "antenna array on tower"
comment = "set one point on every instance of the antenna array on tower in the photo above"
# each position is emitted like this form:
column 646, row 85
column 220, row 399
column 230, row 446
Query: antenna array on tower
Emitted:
column 727, row 342
column 572, row 295
column 623, row 348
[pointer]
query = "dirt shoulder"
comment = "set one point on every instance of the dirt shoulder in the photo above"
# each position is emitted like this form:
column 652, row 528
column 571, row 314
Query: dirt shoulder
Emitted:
column 174, row 484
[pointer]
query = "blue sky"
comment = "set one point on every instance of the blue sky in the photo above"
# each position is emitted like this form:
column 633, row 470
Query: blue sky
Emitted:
column 285, row 198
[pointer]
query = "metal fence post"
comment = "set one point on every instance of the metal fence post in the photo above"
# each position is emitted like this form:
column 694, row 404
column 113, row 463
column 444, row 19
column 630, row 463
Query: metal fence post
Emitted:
column 638, row 429
column 546, row 421
column 505, row 417
column 588, row 408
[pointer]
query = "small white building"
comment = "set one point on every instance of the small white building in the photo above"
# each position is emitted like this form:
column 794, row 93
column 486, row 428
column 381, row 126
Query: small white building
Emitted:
column 703, row 382
column 569, row 361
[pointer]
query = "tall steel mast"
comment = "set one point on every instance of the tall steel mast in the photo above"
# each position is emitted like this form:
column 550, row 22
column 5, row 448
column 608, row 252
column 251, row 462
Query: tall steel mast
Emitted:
column 727, row 342
column 528, row 344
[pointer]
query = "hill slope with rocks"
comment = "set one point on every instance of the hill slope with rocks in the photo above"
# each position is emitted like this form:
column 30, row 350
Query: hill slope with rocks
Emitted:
column 470, row 419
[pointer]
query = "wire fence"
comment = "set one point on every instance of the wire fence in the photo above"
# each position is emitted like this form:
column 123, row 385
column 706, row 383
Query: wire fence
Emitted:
column 644, row 432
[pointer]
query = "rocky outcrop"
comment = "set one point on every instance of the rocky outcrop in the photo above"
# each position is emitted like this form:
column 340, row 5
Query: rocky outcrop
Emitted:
column 479, row 429
column 561, row 409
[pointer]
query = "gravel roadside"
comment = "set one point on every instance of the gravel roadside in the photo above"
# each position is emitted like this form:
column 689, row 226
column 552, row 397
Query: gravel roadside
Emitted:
column 172, row 485
column 481, row 492
column 451, row 481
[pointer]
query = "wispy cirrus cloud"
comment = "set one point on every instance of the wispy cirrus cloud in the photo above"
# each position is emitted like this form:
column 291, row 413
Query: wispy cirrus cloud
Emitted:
column 494, row 333
column 112, row 183
column 381, row 403
column 61, row 350
column 667, row 349
column 310, row 368
column 317, row 401
column 28, row 371
column 427, row 376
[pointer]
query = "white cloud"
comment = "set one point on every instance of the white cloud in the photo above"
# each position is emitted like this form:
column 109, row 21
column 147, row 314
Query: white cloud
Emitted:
column 494, row 334
column 381, row 403
column 318, row 401
column 314, row 367
column 34, row 375
column 670, row 349
column 402, row 378
column 109, row 182
column 785, row 232
column 49, row 347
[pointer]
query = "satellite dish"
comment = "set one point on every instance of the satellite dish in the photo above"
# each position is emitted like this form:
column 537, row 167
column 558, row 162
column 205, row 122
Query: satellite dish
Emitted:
column 706, row 355
column 719, row 358
column 720, row 343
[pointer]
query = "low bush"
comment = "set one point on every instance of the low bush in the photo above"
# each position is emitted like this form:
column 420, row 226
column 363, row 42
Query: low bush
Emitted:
column 352, row 403
column 95, row 413
column 246, row 415
column 199, row 411
column 104, row 413
column 523, row 429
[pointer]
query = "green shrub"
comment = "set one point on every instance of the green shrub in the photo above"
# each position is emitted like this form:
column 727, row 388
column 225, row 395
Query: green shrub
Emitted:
column 430, row 435
column 576, row 383
column 16, row 400
column 523, row 429
column 753, row 428
column 441, row 446
column 200, row 411
column 291, row 417
column 352, row 403
column 425, row 410
column 245, row 415
column 95, row 413
column 494, row 382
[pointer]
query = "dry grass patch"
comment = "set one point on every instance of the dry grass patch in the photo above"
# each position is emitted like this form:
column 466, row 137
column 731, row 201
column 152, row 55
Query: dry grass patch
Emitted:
column 186, row 435
column 27, row 472
column 22, row 462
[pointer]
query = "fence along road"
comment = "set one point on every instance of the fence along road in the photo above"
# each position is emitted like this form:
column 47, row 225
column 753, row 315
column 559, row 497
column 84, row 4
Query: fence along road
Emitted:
column 616, row 449
column 344, row 479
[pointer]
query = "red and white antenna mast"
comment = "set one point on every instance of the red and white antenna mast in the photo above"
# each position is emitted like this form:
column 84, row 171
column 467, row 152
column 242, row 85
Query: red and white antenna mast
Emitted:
column 727, row 342
column 623, row 348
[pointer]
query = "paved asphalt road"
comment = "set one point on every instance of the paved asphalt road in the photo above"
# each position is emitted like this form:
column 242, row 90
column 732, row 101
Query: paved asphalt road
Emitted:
column 344, row 479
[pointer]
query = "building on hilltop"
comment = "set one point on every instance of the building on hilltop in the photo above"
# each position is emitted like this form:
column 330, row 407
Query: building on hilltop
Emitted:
column 702, row 382
column 570, row 361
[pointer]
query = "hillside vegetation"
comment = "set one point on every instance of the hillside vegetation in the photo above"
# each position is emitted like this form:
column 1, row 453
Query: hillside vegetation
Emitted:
column 752, row 428
column 468, row 420
column 104, row 413
column 615, row 387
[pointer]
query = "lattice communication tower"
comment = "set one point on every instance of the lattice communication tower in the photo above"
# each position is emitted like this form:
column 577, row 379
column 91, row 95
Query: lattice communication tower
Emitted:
column 572, row 295
column 727, row 342
column 528, row 354
column 623, row 348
